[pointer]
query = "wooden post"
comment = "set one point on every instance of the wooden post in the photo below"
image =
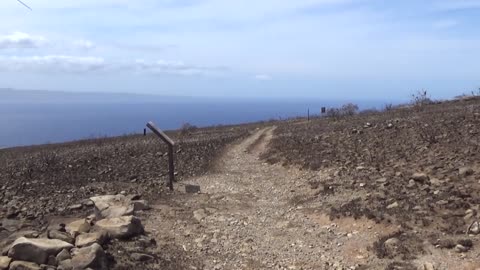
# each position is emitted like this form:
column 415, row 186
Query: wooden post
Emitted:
column 308, row 114
column 171, row 144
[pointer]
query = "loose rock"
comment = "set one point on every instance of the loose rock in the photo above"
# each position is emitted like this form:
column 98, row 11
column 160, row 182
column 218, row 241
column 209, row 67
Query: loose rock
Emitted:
column 420, row 177
column 4, row 262
column 465, row 171
column 22, row 265
column 111, row 206
column 66, row 237
column 121, row 227
column 192, row 188
column 36, row 250
column 87, row 239
column 63, row 255
column 141, row 257
column 90, row 257
column 77, row 227
column 199, row 214
column 65, row 265
column 140, row 205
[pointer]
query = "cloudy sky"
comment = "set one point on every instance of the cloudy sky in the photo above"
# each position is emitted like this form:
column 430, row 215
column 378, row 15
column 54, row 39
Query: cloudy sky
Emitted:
column 362, row 49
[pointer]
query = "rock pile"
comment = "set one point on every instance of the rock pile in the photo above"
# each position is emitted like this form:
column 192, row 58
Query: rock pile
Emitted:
column 77, row 245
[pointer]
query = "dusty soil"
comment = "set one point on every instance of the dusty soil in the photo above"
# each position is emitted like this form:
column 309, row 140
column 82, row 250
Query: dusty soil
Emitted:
column 40, row 182
column 251, row 215
column 366, row 167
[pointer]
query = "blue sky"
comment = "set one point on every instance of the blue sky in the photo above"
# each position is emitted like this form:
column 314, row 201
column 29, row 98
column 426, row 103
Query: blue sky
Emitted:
column 343, row 49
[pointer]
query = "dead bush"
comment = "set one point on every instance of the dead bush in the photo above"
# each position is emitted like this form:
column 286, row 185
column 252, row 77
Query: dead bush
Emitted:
column 421, row 98
column 187, row 129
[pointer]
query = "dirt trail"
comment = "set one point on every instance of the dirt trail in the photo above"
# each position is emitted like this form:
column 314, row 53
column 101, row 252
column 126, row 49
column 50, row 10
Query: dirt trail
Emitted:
column 247, row 217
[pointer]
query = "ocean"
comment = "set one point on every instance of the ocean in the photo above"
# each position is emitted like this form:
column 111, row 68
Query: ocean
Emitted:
column 28, row 124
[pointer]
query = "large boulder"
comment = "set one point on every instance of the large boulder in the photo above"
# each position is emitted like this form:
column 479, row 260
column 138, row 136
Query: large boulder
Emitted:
column 21, row 265
column 6, row 243
column 121, row 227
column 90, row 257
column 77, row 227
column 36, row 250
column 111, row 206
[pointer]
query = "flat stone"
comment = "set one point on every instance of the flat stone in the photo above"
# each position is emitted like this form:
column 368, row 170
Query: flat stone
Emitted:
column 141, row 257
column 192, row 188
column 381, row 180
column 75, row 207
column 36, row 250
column 66, row 237
column 90, row 257
column 140, row 205
column 87, row 239
column 420, row 177
column 77, row 227
column 4, row 262
column 111, row 206
column 22, row 265
column 393, row 205
column 121, row 227
column 199, row 214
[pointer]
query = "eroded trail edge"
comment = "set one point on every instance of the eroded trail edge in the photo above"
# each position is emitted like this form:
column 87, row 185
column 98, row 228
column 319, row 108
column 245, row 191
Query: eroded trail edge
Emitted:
column 248, row 216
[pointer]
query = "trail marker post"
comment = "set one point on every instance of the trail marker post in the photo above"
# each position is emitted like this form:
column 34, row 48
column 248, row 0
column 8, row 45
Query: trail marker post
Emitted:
column 171, row 144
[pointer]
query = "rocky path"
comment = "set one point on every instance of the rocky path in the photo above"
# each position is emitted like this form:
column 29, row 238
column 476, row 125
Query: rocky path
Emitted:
column 247, row 217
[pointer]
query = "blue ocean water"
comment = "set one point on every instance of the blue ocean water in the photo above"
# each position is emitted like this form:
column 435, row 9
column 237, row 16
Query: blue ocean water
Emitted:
column 27, row 124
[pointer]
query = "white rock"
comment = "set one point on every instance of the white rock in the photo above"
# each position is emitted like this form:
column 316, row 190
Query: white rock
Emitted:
column 87, row 239
column 120, row 227
column 36, row 250
column 4, row 262
column 428, row 266
column 110, row 206
column 199, row 214
column 77, row 227
column 21, row 265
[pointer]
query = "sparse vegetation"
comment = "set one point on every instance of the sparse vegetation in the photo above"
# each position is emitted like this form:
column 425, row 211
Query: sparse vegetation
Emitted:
column 421, row 98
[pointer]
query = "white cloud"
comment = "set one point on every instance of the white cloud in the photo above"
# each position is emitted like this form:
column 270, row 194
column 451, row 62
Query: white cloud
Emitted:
column 263, row 77
column 53, row 63
column 76, row 64
column 173, row 67
column 83, row 44
column 21, row 40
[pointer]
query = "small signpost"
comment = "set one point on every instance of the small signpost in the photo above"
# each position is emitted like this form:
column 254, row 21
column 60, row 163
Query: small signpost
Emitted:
column 170, row 144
